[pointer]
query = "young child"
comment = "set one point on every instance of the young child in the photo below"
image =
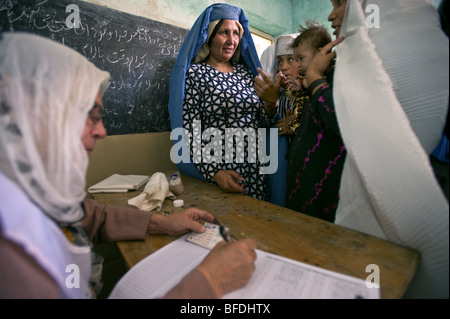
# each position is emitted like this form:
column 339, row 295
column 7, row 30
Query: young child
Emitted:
column 311, row 39
column 316, row 154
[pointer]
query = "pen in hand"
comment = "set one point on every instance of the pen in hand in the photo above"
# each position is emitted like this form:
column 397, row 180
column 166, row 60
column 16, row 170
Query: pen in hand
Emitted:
column 226, row 236
column 223, row 231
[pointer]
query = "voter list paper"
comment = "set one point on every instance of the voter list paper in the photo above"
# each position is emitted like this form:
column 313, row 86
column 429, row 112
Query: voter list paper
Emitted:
column 275, row 277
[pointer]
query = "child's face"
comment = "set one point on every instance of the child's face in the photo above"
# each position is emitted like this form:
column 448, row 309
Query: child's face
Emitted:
column 304, row 55
column 288, row 65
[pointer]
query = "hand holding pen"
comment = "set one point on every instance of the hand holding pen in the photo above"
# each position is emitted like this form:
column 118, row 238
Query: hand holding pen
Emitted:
column 224, row 231
column 229, row 266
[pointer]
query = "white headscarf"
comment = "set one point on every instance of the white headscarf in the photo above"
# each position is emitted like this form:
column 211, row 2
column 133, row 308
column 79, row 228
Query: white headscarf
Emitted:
column 391, row 88
column 267, row 58
column 282, row 47
column 46, row 92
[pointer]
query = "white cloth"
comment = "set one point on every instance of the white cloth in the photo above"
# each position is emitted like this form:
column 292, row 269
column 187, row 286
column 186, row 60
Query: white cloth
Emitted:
column 391, row 89
column 267, row 60
column 46, row 92
column 25, row 224
column 154, row 194
column 117, row 183
column 283, row 44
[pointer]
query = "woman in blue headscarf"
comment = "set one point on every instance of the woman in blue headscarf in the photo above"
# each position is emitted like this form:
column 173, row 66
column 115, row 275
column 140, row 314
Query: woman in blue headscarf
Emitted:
column 212, row 97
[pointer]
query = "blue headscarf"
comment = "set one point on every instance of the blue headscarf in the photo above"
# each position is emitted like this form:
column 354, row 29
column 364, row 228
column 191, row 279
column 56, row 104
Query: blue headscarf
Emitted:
column 196, row 37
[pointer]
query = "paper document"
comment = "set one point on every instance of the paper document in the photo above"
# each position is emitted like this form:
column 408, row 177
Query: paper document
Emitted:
column 208, row 239
column 275, row 277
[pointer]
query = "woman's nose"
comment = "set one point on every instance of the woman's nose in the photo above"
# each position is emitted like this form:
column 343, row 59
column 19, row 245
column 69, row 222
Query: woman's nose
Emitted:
column 331, row 16
column 100, row 130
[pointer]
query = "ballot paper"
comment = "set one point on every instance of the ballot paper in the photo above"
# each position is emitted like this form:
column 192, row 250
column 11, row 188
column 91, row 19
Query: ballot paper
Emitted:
column 209, row 238
column 275, row 277
column 117, row 183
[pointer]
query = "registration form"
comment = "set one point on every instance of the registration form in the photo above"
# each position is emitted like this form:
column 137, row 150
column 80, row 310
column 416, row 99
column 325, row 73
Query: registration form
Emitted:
column 275, row 277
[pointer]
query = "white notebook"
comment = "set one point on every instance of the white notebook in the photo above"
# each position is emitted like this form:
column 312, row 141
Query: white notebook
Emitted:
column 275, row 277
column 119, row 184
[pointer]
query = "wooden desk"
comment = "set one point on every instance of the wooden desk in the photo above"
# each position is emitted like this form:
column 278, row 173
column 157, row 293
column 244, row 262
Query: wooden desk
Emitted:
column 286, row 233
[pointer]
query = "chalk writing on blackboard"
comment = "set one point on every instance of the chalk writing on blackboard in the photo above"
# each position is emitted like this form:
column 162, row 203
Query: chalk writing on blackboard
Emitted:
column 138, row 52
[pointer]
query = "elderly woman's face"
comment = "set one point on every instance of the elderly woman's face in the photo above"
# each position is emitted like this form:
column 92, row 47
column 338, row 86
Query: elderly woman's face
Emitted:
column 225, row 41
column 288, row 65
column 93, row 129
column 336, row 16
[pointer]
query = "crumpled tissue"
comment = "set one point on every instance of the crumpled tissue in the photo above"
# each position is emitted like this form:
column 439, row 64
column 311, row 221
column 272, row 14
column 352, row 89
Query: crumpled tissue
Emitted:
column 154, row 194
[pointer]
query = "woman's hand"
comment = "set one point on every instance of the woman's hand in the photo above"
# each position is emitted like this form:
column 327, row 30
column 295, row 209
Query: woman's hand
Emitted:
column 321, row 62
column 283, row 124
column 230, row 181
column 229, row 266
column 293, row 84
column 267, row 90
column 179, row 223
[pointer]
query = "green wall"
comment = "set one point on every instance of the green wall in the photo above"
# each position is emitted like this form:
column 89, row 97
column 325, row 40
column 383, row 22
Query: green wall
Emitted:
column 274, row 17
column 317, row 10
column 277, row 17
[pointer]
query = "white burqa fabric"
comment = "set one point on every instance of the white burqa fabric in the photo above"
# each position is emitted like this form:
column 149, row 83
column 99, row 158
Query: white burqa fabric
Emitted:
column 267, row 59
column 391, row 89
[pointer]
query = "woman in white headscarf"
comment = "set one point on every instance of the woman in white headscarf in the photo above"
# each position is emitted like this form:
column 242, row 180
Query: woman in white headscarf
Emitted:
column 286, row 63
column 46, row 93
column 50, row 119
column 282, row 67
column 391, row 97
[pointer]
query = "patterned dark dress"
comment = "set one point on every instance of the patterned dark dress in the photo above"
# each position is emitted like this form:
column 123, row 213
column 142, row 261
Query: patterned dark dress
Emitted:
column 217, row 105
column 315, row 159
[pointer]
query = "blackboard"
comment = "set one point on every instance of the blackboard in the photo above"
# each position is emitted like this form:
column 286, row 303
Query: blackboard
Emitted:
column 138, row 52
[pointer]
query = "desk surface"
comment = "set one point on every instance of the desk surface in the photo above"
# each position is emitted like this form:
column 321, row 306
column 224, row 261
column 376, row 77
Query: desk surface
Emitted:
column 286, row 233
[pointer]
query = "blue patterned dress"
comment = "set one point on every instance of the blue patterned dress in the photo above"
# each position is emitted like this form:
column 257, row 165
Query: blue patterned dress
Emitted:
column 221, row 102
